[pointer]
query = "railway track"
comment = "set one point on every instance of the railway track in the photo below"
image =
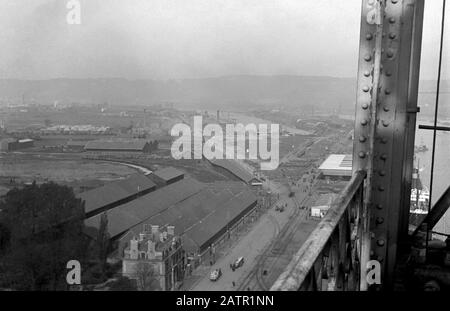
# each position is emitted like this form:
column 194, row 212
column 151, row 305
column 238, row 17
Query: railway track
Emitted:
column 254, row 279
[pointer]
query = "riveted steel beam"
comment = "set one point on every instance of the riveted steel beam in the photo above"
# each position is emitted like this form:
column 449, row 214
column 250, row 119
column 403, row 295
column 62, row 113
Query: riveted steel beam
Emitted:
column 384, row 128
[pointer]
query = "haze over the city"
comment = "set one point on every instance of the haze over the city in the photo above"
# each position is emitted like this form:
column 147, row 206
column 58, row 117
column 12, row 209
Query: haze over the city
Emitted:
column 177, row 39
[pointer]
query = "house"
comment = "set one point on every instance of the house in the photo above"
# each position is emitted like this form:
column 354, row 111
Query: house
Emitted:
column 155, row 258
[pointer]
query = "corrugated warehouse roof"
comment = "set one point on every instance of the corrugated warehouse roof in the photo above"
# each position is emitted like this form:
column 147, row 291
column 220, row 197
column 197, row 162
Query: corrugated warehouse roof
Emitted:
column 224, row 213
column 137, row 145
column 234, row 168
column 337, row 165
column 198, row 214
column 126, row 216
column 115, row 191
column 168, row 173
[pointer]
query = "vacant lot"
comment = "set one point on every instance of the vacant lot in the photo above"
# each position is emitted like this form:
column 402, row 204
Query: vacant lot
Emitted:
column 20, row 168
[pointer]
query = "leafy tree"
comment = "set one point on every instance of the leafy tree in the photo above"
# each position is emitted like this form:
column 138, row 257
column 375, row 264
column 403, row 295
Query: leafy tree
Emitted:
column 4, row 238
column 45, row 224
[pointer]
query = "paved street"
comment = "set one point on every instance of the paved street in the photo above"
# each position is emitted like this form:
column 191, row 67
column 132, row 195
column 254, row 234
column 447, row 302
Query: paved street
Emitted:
column 250, row 246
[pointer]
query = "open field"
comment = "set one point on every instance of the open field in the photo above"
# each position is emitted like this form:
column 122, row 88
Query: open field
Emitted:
column 25, row 168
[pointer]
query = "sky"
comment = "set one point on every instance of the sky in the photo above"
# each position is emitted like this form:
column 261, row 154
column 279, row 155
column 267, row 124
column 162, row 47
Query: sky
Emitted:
column 177, row 39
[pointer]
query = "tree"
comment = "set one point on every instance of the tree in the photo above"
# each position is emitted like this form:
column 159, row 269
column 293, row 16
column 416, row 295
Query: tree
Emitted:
column 45, row 224
column 123, row 284
column 103, row 244
column 145, row 273
column 5, row 236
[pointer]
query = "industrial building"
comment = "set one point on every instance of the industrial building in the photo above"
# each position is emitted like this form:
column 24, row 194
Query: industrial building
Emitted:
column 236, row 170
column 115, row 193
column 167, row 176
column 337, row 165
column 5, row 144
column 135, row 146
column 75, row 146
column 12, row 144
column 201, row 213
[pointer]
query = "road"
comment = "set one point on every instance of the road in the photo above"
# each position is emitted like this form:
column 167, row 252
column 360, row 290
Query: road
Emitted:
column 251, row 247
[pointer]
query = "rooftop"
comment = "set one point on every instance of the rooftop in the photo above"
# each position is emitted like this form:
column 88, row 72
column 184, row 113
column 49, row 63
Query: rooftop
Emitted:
column 115, row 191
column 337, row 165
column 116, row 145
column 168, row 173
column 234, row 168
column 197, row 211
column 125, row 216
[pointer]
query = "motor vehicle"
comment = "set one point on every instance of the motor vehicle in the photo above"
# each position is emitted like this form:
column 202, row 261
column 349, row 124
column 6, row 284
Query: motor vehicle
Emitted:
column 238, row 263
column 215, row 275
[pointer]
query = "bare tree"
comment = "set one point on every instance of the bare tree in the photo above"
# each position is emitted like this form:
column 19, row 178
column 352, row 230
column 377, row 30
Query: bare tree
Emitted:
column 146, row 275
column 103, row 243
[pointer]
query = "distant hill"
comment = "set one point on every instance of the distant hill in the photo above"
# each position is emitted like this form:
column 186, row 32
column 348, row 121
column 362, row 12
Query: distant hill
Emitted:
column 234, row 92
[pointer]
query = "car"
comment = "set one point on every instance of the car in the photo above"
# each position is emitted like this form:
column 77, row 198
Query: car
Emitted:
column 215, row 275
column 280, row 208
column 238, row 263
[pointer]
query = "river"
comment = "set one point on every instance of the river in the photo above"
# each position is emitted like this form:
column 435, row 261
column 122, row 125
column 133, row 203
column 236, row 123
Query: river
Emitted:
column 441, row 178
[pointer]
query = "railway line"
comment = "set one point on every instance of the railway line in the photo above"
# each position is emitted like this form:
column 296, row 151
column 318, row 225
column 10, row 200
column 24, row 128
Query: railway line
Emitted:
column 254, row 280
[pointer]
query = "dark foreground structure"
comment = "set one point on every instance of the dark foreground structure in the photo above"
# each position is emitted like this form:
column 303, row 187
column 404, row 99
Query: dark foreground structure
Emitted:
column 368, row 224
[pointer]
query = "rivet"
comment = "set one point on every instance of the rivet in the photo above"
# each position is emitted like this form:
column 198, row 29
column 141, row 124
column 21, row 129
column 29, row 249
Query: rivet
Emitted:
column 372, row 235
column 366, row 89
column 381, row 188
column 362, row 139
column 379, row 206
column 369, row 36
column 372, row 253
column 392, row 36
column 364, row 122
column 362, row 154
column 380, row 242
column 390, row 53
column 394, row 1
column 380, row 259
column 386, row 108
column 387, row 91
column 380, row 220
column 367, row 58
column 383, row 157
column 382, row 173
column 385, row 123
column 388, row 73
column 392, row 20
column 364, row 106
column 367, row 73
column 384, row 140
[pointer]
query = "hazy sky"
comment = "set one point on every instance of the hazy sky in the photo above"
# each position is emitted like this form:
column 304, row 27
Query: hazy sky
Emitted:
column 171, row 39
